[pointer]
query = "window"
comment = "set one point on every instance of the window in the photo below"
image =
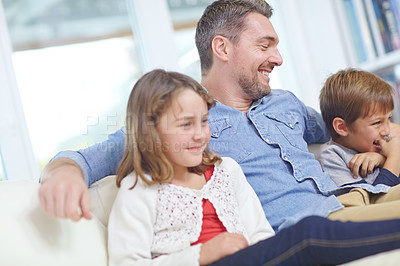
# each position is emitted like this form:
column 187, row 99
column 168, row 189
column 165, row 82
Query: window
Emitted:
column 184, row 15
column 75, row 63
column 2, row 175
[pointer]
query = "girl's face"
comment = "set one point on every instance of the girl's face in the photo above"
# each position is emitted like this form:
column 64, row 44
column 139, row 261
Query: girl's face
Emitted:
column 184, row 130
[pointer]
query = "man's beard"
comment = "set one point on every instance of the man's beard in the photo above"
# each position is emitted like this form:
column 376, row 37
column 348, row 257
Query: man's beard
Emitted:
column 252, row 87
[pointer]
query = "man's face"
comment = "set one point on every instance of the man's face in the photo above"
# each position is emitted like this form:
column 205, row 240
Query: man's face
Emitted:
column 255, row 56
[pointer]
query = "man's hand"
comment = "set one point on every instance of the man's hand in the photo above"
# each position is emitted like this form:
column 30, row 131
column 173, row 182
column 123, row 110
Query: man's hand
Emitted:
column 221, row 246
column 63, row 191
column 366, row 162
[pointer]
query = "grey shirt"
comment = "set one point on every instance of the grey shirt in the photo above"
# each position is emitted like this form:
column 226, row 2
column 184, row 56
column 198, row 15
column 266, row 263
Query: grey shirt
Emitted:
column 334, row 158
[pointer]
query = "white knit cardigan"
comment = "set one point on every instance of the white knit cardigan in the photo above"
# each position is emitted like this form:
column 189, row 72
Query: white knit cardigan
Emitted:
column 155, row 225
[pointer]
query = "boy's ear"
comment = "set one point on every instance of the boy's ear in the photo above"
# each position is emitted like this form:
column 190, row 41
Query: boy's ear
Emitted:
column 339, row 125
column 219, row 46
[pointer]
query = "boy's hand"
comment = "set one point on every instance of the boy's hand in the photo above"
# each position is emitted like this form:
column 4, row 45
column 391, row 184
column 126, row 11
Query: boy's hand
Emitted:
column 391, row 149
column 394, row 129
column 390, row 145
column 366, row 163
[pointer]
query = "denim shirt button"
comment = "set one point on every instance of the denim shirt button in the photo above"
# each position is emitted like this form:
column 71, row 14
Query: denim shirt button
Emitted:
column 291, row 125
column 285, row 157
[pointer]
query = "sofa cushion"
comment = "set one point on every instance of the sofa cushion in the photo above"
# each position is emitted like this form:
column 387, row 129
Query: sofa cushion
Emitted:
column 102, row 195
column 30, row 237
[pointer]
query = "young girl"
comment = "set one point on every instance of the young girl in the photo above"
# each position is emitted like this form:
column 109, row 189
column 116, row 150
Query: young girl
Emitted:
column 180, row 204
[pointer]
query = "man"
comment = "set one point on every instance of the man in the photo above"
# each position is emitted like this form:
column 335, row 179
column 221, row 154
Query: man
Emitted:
column 266, row 132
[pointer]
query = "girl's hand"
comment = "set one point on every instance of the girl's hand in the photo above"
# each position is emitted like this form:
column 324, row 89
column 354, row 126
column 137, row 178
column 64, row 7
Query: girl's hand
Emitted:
column 221, row 246
column 366, row 162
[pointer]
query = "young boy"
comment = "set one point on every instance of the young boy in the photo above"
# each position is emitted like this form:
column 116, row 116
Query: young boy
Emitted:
column 356, row 107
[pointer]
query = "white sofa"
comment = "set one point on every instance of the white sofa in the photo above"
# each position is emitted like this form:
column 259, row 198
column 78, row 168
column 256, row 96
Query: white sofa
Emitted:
column 30, row 237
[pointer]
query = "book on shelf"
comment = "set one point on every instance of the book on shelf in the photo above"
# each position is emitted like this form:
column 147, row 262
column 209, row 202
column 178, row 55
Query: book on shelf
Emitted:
column 390, row 77
column 366, row 35
column 354, row 25
column 373, row 27
column 387, row 14
column 395, row 7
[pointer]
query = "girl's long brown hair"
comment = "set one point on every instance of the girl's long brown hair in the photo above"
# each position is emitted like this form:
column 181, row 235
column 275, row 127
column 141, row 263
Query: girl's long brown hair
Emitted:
column 150, row 97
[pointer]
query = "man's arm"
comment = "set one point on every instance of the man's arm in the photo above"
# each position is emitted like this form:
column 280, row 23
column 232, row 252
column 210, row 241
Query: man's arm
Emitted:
column 99, row 160
column 316, row 131
column 65, row 180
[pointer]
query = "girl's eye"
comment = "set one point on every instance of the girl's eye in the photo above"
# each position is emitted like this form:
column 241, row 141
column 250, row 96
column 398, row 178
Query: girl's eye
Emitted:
column 204, row 121
column 187, row 124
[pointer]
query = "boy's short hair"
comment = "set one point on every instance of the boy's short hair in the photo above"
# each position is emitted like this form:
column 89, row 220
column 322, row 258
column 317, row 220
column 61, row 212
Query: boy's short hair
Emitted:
column 351, row 94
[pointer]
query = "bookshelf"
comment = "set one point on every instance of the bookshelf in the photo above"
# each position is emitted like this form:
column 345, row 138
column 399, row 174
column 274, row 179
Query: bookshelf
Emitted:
column 371, row 33
column 371, row 28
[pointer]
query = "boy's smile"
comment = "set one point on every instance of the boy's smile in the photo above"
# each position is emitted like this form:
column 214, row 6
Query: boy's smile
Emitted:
column 364, row 134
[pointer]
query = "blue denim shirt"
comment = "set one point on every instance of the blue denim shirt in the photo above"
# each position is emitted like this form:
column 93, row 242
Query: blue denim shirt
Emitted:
column 269, row 142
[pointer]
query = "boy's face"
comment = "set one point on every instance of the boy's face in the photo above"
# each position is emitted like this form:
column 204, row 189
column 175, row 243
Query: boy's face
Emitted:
column 364, row 133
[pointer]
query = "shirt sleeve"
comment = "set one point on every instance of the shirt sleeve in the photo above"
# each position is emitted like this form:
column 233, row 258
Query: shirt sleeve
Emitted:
column 315, row 130
column 386, row 177
column 130, row 229
column 99, row 160
column 257, row 227
column 333, row 164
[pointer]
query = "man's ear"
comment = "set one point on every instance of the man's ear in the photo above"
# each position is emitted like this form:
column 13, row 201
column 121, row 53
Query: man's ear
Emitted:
column 219, row 46
column 339, row 125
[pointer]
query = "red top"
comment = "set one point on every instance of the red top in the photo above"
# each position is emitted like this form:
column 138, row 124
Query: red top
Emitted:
column 212, row 226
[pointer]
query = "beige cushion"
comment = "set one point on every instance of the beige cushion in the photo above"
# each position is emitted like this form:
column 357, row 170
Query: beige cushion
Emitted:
column 390, row 258
column 102, row 195
column 29, row 237
column 314, row 148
